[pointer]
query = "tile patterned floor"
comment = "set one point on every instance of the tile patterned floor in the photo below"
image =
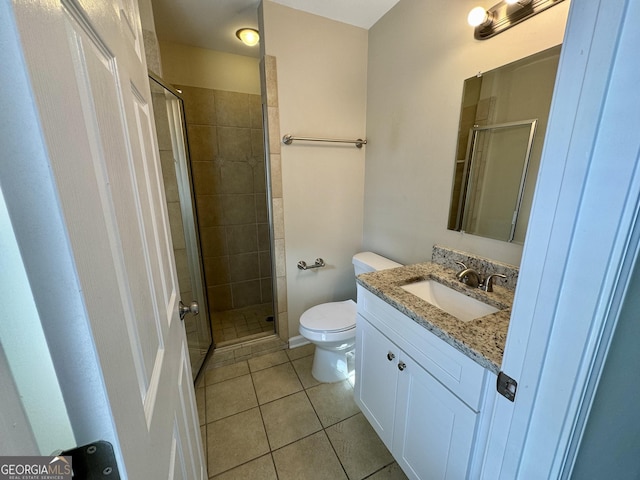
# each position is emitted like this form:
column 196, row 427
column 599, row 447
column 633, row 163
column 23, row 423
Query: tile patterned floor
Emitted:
column 235, row 325
column 268, row 419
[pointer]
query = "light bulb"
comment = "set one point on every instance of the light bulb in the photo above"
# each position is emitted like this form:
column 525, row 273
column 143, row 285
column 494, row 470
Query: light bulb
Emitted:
column 249, row 36
column 478, row 17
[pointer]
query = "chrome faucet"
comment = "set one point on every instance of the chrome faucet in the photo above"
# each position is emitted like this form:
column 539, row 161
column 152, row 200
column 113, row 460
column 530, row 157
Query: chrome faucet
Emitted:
column 468, row 276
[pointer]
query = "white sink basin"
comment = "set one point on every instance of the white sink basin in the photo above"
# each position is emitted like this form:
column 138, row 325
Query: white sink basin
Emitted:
column 451, row 301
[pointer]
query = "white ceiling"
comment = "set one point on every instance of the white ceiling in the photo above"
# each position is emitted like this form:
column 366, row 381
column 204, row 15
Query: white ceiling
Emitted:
column 212, row 24
column 361, row 13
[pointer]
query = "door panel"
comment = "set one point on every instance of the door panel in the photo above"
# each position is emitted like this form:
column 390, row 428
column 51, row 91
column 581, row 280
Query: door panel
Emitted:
column 149, row 180
column 187, row 422
column 121, row 207
column 84, row 60
column 130, row 18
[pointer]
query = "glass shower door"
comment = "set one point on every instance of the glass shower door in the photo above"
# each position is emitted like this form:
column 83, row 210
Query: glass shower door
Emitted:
column 174, row 156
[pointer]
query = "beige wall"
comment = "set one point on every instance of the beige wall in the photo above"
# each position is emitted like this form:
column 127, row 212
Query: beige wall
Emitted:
column 146, row 15
column 321, row 72
column 419, row 55
column 199, row 67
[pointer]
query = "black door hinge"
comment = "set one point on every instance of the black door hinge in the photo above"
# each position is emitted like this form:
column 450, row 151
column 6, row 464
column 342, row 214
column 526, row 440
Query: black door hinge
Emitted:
column 507, row 386
column 95, row 461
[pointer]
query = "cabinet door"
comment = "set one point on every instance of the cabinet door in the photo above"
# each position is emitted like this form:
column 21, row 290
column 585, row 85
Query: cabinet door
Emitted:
column 434, row 429
column 376, row 378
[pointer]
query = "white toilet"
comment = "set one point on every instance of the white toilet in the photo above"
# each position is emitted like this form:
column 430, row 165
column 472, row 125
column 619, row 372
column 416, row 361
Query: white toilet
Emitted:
column 332, row 326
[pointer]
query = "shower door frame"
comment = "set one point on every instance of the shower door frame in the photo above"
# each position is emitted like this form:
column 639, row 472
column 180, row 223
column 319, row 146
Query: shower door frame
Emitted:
column 184, row 180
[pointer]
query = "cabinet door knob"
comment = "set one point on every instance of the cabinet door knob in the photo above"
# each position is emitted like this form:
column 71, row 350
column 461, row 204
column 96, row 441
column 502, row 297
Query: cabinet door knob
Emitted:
column 402, row 366
column 390, row 356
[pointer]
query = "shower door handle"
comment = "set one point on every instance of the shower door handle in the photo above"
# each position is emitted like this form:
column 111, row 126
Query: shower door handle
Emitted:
column 193, row 307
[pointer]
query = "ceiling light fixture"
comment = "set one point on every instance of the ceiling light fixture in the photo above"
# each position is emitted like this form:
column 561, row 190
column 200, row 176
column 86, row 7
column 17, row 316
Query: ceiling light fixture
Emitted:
column 249, row 36
column 505, row 15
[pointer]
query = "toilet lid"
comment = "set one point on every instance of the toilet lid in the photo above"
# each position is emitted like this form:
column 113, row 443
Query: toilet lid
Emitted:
column 330, row 317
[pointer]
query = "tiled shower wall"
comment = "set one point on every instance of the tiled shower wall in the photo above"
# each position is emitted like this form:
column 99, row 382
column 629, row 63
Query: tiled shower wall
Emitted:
column 227, row 153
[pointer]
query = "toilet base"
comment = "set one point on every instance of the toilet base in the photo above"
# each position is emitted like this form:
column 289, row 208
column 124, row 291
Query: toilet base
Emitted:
column 331, row 366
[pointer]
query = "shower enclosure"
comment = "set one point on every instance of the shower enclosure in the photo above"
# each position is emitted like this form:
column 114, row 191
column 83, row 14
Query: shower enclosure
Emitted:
column 226, row 140
column 174, row 156
column 212, row 152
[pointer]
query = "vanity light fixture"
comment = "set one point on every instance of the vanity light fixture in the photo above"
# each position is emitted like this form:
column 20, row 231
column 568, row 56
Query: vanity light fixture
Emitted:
column 505, row 15
column 479, row 17
column 248, row 36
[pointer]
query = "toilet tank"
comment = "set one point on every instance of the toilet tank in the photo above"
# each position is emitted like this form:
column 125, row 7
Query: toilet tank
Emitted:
column 365, row 262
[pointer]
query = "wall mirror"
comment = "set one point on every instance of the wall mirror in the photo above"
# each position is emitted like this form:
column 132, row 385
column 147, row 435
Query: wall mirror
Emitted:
column 503, row 120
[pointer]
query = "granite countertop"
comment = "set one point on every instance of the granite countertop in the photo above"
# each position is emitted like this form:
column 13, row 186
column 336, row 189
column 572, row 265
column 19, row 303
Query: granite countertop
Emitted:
column 481, row 339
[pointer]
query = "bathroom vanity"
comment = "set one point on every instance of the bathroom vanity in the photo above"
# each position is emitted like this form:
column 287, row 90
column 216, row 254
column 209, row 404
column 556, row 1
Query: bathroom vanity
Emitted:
column 425, row 379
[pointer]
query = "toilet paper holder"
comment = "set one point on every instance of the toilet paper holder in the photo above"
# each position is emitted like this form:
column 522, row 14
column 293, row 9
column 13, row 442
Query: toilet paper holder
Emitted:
column 302, row 265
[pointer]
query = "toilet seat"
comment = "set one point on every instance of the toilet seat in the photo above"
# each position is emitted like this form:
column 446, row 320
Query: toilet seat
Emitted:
column 329, row 321
column 330, row 317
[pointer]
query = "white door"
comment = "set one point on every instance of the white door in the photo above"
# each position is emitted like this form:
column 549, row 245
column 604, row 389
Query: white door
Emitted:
column 86, row 65
column 581, row 245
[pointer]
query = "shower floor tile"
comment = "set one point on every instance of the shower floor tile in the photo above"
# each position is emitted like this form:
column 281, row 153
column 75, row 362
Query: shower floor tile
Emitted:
column 232, row 326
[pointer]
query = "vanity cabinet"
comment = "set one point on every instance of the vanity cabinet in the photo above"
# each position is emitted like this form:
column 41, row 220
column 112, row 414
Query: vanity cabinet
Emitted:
column 423, row 397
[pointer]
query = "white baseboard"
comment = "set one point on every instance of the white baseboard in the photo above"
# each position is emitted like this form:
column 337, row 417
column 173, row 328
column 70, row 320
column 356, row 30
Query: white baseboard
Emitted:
column 298, row 341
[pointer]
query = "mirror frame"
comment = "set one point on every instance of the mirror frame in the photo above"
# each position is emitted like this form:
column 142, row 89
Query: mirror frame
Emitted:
column 468, row 171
